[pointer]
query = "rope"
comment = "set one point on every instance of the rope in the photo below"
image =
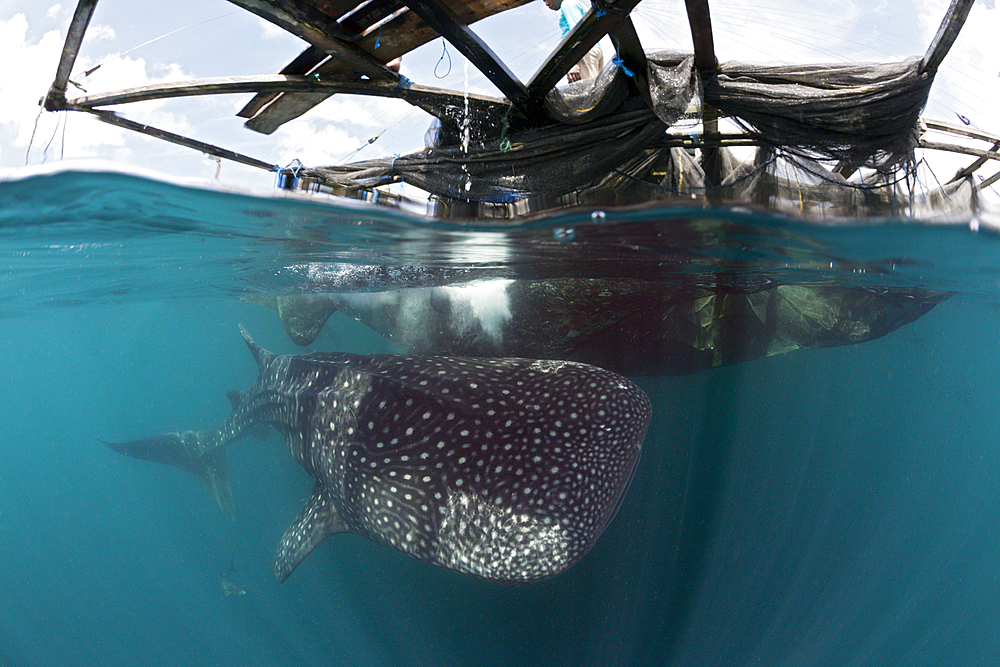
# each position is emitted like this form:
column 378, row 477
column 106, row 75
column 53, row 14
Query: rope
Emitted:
column 602, row 7
column 55, row 131
column 33, row 130
column 444, row 52
column 155, row 39
column 295, row 166
column 505, row 144
column 618, row 62
column 370, row 141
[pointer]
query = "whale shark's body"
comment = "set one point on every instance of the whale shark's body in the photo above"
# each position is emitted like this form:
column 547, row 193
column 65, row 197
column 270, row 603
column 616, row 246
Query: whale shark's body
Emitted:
column 508, row 469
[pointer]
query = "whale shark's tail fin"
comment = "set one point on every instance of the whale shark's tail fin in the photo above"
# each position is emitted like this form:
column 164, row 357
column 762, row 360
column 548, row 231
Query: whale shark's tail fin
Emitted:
column 198, row 452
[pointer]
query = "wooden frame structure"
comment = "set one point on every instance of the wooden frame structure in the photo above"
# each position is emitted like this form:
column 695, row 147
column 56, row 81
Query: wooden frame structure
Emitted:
column 350, row 44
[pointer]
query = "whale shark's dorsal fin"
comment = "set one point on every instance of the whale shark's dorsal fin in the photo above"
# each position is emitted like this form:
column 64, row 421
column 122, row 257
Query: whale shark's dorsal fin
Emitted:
column 262, row 356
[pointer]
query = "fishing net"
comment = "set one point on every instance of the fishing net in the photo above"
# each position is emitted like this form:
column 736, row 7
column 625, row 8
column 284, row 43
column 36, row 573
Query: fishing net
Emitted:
column 825, row 140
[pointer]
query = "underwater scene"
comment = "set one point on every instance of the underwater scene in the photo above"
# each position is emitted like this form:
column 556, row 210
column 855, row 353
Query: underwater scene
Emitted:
column 767, row 441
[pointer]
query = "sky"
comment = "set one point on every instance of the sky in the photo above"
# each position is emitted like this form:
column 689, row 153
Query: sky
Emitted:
column 138, row 43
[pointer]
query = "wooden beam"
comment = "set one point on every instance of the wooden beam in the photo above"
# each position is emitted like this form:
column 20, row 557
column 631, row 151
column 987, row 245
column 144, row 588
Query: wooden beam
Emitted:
column 972, row 133
column 630, row 51
column 320, row 31
column 404, row 32
column 364, row 16
column 74, row 37
column 701, row 33
column 422, row 96
column 112, row 118
column 955, row 148
column 577, row 42
column 947, row 32
column 941, row 126
column 705, row 61
column 447, row 24
column 990, row 181
column 304, row 63
column 974, row 167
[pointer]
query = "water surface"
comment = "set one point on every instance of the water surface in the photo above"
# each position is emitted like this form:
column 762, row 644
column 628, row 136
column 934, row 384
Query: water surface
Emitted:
column 824, row 507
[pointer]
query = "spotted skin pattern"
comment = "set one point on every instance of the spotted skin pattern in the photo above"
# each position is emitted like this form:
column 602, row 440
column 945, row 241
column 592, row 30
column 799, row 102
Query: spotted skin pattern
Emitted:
column 507, row 469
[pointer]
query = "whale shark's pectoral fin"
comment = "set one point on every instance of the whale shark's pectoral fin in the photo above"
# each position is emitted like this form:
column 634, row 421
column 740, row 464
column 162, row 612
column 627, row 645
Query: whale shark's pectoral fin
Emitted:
column 198, row 452
column 317, row 521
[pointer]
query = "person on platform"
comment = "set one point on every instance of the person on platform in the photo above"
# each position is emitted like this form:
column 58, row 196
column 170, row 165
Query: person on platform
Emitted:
column 570, row 13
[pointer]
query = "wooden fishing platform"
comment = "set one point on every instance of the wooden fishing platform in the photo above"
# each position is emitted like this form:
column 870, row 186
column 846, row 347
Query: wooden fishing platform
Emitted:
column 350, row 45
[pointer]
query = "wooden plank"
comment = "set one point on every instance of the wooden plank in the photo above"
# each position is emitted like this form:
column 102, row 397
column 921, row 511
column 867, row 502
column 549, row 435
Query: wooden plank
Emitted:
column 113, row 119
column 304, row 63
column 972, row 133
column 320, row 31
column 399, row 36
column 947, row 32
column 414, row 93
column 974, row 167
column 447, row 24
column 74, row 37
column 577, row 42
column 701, row 33
column 955, row 148
column 941, row 126
column 990, row 181
column 358, row 21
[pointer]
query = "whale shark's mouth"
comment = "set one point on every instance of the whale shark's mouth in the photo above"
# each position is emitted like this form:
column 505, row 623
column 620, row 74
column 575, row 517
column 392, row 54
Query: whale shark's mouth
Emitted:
column 478, row 536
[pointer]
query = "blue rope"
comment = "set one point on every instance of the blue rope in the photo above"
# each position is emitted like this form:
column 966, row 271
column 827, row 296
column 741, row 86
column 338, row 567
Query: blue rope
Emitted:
column 378, row 40
column 403, row 82
column 444, row 52
column 621, row 64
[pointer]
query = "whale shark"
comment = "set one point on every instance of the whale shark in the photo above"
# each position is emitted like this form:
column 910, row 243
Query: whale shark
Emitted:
column 506, row 469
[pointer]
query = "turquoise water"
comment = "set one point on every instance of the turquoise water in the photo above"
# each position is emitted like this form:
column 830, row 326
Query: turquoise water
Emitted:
column 824, row 507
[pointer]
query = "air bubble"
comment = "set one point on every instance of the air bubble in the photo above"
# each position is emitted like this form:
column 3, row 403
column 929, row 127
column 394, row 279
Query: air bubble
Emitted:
column 564, row 234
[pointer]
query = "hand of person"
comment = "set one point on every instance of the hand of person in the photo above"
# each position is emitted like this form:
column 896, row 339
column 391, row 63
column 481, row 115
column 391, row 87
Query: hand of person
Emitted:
column 573, row 75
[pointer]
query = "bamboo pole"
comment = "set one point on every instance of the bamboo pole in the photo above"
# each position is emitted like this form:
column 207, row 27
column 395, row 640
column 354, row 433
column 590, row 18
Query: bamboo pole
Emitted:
column 955, row 148
column 946, row 35
column 425, row 97
column 74, row 37
column 112, row 118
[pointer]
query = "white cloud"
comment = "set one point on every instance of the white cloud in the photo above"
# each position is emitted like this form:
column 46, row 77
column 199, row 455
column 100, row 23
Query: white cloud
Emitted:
column 340, row 126
column 100, row 32
column 968, row 80
column 22, row 87
column 270, row 31
column 54, row 11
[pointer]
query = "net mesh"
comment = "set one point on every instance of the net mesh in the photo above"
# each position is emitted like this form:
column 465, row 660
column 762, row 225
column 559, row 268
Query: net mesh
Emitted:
column 825, row 140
